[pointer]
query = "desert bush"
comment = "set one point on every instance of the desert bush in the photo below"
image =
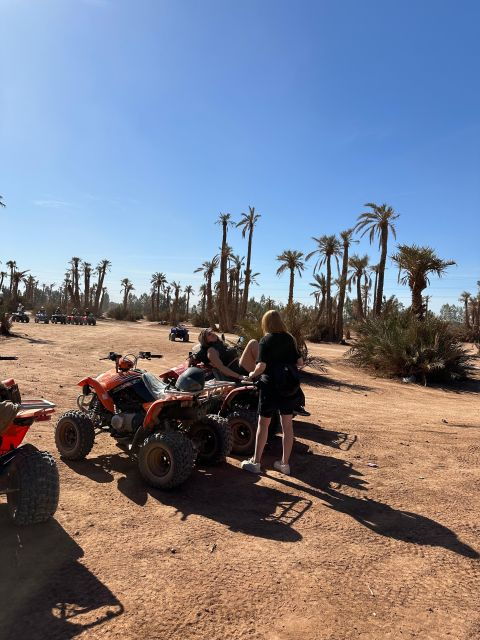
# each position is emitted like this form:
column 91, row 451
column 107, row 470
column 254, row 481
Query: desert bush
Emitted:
column 464, row 333
column 402, row 345
column 117, row 312
column 199, row 320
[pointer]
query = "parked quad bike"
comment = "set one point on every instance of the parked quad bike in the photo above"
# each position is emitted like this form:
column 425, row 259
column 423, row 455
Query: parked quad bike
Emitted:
column 28, row 477
column 238, row 405
column 165, row 430
column 179, row 332
column 20, row 316
column 41, row 316
column 58, row 318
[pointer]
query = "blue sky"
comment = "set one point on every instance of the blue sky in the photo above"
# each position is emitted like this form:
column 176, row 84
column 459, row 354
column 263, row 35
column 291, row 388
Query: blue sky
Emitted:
column 127, row 126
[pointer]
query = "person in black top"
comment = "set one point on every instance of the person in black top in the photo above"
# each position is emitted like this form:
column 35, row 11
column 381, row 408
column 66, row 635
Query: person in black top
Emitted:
column 277, row 366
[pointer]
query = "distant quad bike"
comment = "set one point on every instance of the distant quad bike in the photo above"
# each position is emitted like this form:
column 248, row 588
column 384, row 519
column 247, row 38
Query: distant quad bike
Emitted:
column 90, row 320
column 20, row 316
column 58, row 318
column 41, row 316
column 179, row 332
column 166, row 428
column 28, row 477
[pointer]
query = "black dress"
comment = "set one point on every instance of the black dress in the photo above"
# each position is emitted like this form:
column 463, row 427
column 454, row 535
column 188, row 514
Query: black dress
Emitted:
column 277, row 350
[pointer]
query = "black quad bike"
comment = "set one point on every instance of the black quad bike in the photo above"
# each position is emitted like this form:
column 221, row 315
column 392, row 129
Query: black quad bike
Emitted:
column 179, row 332
column 58, row 318
column 28, row 477
column 165, row 427
column 20, row 316
column 41, row 317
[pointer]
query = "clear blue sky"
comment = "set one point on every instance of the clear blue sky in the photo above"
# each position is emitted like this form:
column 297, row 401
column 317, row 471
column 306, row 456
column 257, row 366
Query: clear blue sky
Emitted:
column 127, row 126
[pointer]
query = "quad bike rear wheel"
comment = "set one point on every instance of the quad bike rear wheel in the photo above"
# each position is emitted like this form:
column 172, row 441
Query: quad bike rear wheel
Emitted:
column 166, row 460
column 212, row 437
column 243, row 424
column 34, row 486
column 74, row 435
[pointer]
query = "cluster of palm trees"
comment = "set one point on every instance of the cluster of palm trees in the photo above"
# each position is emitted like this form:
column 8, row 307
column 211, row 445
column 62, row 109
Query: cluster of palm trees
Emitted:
column 165, row 298
column 226, row 301
column 471, row 305
column 415, row 265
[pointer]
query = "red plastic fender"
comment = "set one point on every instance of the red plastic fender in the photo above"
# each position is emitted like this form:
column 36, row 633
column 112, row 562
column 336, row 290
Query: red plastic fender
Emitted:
column 229, row 397
column 102, row 393
column 157, row 406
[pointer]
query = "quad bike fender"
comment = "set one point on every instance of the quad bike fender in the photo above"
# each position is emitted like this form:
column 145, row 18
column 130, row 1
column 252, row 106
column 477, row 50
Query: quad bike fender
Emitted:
column 156, row 408
column 102, row 393
column 232, row 395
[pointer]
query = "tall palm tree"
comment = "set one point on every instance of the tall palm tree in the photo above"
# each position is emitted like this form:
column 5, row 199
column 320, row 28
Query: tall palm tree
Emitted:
column 237, row 263
column 208, row 268
column 188, row 292
column 346, row 237
column 320, row 288
column 12, row 265
column 203, row 297
column 177, row 287
column 225, row 221
column 327, row 247
column 126, row 288
column 75, row 268
column 293, row 261
column 158, row 281
column 18, row 277
column 378, row 222
column 465, row 298
column 247, row 223
column 375, row 268
column 415, row 264
column 3, row 275
column 87, row 272
column 102, row 267
column 359, row 266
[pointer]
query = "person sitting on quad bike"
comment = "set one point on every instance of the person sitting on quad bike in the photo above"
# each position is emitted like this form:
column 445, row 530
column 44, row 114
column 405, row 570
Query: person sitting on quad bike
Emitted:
column 20, row 308
column 58, row 311
column 228, row 366
column 8, row 410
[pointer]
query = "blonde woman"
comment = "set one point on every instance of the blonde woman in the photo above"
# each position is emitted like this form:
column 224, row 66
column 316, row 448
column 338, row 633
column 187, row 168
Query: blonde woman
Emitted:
column 277, row 366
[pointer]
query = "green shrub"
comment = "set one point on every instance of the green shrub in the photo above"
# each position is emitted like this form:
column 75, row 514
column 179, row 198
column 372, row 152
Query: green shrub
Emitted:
column 199, row 320
column 402, row 345
column 117, row 312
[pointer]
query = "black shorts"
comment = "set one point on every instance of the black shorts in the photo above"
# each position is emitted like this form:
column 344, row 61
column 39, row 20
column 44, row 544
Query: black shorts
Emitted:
column 269, row 402
column 234, row 366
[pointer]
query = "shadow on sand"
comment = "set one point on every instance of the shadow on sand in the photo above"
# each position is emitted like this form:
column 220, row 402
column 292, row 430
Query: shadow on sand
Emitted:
column 315, row 379
column 44, row 590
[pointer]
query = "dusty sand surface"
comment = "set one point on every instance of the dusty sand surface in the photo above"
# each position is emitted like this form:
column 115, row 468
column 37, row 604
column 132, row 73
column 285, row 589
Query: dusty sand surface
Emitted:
column 338, row 551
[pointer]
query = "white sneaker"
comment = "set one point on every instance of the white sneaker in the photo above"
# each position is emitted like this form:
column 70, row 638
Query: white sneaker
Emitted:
column 251, row 465
column 283, row 468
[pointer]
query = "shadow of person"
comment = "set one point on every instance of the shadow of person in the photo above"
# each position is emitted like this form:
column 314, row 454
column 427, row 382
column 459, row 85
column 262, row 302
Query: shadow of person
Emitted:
column 44, row 590
column 396, row 523
column 326, row 437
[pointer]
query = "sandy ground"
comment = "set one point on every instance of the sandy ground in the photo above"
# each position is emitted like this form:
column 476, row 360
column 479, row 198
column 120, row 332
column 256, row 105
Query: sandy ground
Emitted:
column 341, row 550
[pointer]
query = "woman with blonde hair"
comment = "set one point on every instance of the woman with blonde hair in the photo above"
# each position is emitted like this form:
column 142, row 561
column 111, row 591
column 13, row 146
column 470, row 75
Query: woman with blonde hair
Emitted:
column 277, row 366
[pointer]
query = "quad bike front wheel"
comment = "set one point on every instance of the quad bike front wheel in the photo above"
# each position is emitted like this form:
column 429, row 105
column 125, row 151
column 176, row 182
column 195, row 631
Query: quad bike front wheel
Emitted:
column 34, row 486
column 243, row 424
column 166, row 460
column 74, row 435
column 212, row 437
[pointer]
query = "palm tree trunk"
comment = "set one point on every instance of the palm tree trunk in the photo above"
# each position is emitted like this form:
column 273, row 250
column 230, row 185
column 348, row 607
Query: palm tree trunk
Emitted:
column 417, row 302
column 381, row 273
column 467, row 319
column 290, row 290
column 375, row 292
column 98, row 293
column 359, row 298
column 210, row 309
column 329, row 298
column 341, row 293
column 246, row 285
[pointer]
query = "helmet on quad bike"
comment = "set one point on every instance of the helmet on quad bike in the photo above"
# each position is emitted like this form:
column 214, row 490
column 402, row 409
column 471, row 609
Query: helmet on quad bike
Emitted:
column 191, row 380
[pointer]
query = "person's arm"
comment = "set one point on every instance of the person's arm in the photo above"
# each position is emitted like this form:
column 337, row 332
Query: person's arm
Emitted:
column 259, row 369
column 215, row 361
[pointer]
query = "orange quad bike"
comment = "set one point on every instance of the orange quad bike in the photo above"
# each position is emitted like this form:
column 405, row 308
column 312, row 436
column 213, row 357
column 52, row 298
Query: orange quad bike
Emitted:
column 28, row 477
column 165, row 428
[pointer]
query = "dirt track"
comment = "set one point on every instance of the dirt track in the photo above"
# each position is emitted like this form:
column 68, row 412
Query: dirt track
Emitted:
column 338, row 551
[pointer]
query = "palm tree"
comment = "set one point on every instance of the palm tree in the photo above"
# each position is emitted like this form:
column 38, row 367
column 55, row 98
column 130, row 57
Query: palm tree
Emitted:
column 75, row 262
column 375, row 268
column 247, row 223
column 18, row 277
column 12, row 265
column 291, row 260
column 208, row 268
column 176, row 286
column 188, row 292
column 378, row 222
column 346, row 237
column 203, row 296
column 359, row 266
column 102, row 267
column 465, row 297
column 126, row 288
column 3, row 275
column 87, row 271
column 158, row 281
column 224, row 220
column 2, row 204
column 414, row 266
column 320, row 288
column 327, row 247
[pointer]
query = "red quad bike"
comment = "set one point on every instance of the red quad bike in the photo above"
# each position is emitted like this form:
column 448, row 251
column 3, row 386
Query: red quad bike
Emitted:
column 28, row 477
column 166, row 430
column 238, row 405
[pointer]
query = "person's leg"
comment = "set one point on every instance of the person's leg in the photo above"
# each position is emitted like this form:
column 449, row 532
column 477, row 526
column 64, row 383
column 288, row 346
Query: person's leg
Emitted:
column 248, row 359
column 287, row 429
column 261, row 438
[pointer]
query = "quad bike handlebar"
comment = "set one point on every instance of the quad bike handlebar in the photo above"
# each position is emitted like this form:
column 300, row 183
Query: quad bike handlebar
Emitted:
column 129, row 360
